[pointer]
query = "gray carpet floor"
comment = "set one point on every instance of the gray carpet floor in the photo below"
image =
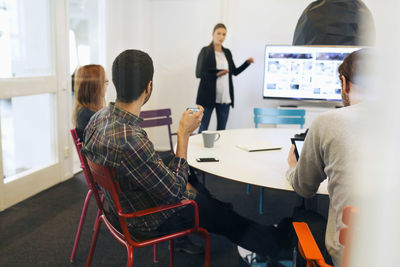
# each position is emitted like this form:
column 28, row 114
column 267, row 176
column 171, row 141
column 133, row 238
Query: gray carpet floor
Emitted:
column 40, row 231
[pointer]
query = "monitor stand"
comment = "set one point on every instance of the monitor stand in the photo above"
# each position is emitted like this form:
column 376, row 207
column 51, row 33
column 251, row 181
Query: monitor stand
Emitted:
column 288, row 106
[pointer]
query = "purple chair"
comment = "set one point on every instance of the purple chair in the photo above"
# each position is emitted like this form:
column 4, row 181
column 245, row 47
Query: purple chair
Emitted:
column 159, row 117
column 78, row 146
column 156, row 118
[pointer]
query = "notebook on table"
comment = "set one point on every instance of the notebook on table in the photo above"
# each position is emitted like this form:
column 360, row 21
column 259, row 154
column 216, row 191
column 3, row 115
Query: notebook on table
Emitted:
column 259, row 146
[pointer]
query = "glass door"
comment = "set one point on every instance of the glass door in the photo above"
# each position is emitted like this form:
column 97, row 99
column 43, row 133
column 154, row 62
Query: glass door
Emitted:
column 34, row 98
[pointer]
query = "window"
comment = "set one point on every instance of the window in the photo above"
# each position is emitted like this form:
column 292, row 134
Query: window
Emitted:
column 25, row 38
column 27, row 142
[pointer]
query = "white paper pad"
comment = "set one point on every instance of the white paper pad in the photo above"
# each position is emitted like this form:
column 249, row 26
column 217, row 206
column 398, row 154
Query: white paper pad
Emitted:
column 260, row 146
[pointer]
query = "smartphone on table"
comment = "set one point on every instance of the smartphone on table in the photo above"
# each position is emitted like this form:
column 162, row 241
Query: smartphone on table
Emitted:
column 207, row 160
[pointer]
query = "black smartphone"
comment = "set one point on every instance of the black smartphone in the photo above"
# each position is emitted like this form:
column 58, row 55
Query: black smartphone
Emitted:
column 298, row 145
column 207, row 160
column 194, row 110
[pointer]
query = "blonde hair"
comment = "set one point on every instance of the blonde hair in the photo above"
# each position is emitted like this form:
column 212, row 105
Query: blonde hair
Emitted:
column 89, row 88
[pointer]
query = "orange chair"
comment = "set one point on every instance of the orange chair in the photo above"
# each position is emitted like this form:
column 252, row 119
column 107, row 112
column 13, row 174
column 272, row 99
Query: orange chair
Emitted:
column 308, row 248
column 104, row 177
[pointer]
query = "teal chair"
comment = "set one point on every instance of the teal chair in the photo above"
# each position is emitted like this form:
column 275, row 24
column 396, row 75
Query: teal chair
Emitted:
column 276, row 116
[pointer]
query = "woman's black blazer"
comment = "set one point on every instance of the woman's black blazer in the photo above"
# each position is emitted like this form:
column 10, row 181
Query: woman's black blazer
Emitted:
column 206, row 70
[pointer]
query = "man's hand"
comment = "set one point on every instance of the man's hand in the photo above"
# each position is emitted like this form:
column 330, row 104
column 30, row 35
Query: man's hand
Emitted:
column 292, row 158
column 190, row 121
column 222, row 72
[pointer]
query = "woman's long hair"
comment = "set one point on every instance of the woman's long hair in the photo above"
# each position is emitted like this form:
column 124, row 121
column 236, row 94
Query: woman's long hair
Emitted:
column 89, row 88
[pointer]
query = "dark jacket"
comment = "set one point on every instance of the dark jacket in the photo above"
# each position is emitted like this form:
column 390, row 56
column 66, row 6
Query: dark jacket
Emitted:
column 206, row 70
column 82, row 119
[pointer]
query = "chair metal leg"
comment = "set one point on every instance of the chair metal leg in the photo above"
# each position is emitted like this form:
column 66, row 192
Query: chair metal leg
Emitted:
column 93, row 244
column 204, row 234
column 98, row 214
column 261, row 200
column 248, row 189
column 295, row 257
column 171, row 253
column 155, row 249
column 129, row 249
column 81, row 222
column 97, row 219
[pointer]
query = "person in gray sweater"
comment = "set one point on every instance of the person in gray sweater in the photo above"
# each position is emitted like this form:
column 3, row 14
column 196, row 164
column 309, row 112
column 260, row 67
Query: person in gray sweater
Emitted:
column 330, row 151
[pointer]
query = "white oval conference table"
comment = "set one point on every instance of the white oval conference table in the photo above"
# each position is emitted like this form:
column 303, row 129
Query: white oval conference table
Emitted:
column 262, row 168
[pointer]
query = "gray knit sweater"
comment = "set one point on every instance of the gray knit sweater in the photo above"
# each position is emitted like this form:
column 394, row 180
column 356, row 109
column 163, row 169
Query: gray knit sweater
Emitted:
column 329, row 151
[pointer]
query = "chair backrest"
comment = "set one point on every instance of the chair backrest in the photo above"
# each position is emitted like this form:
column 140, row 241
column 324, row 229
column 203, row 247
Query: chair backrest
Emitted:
column 307, row 246
column 86, row 170
column 158, row 117
column 279, row 116
column 309, row 249
column 105, row 177
column 78, row 145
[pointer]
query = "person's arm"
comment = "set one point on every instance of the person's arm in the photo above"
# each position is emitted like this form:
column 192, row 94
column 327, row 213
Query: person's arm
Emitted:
column 232, row 67
column 140, row 162
column 306, row 175
column 188, row 123
column 203, row 70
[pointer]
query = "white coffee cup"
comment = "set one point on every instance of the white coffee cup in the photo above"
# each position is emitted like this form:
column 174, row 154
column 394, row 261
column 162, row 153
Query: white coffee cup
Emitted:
column 209, row 137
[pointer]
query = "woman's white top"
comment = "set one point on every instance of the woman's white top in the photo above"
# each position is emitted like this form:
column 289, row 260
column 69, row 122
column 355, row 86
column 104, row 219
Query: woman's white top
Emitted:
column 222, row 88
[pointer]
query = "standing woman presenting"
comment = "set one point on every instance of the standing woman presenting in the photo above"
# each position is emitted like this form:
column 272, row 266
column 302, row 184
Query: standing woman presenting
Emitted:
column 215, row 68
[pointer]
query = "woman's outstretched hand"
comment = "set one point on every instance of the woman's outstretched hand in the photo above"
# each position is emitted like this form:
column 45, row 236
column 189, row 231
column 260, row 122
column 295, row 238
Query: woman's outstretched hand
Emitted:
column 250, row 60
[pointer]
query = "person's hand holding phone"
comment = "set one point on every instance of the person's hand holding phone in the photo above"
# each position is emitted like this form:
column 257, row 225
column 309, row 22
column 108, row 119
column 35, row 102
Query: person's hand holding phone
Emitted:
column 292, row 161
column 190, row 121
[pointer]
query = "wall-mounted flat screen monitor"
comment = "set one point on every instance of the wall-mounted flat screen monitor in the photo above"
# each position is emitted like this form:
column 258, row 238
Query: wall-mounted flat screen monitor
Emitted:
column 304, row 72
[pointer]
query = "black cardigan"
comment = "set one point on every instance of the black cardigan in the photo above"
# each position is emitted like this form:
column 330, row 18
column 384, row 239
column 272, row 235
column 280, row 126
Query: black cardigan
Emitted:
column 82, row 119
column 206, row 70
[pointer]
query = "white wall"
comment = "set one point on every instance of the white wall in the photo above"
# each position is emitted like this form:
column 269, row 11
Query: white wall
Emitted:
column 173, row 32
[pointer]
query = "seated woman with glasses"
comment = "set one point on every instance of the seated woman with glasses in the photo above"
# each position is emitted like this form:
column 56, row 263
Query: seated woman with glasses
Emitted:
column 90, row 89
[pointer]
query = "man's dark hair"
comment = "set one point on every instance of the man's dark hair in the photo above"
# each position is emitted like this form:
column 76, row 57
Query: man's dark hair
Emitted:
column 132, row 71
column 354, row 64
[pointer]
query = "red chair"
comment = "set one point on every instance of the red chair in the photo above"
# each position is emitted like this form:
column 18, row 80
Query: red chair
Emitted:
column 78, row 146
column 308, row 248
column 105, row 177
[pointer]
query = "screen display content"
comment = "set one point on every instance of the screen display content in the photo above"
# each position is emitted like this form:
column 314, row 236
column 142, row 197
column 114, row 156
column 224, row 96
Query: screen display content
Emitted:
column 304, row 72
column 299, row 145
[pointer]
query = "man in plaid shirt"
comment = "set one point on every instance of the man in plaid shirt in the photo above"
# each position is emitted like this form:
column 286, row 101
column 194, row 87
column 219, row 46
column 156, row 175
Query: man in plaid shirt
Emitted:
column 114, row 138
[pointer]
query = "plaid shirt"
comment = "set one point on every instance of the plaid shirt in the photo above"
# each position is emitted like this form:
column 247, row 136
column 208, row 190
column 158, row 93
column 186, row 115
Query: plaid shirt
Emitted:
column 114, row 138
